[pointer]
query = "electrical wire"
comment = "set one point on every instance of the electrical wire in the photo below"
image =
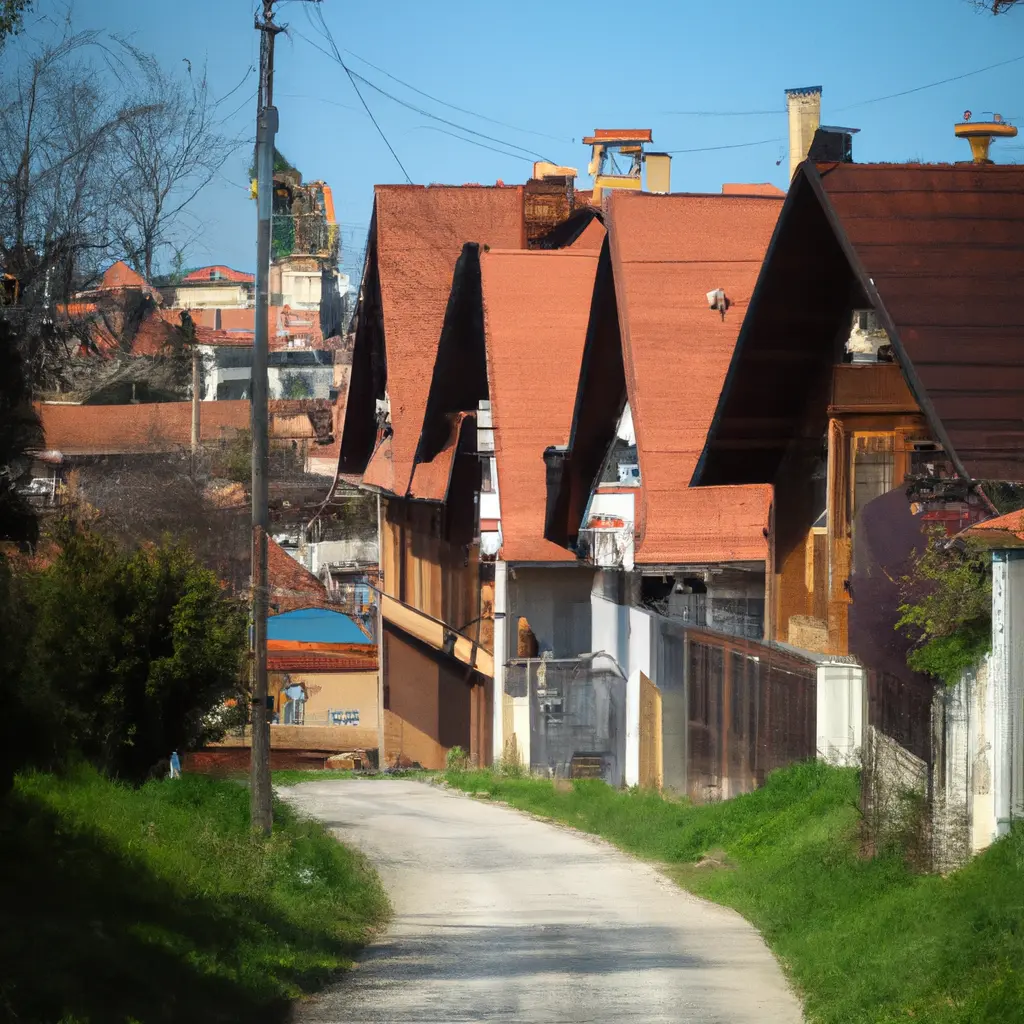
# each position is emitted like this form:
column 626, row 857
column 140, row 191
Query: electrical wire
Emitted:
column 336, row 55
column 721, row 113
column 452, row 106
column 733, row 145
column 931, row 85
column 412, row 106
column 472, row 142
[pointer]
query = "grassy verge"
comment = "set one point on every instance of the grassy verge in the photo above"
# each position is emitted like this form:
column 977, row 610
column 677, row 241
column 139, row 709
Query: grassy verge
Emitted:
column 863, row 940
column 159, row 905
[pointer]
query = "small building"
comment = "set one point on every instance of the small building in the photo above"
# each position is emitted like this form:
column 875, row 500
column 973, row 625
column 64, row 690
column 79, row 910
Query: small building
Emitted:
column 216, row 287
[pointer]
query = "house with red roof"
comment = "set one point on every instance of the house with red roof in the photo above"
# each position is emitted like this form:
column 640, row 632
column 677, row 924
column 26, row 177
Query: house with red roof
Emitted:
column 214, row 287
column 654, row 363
column 417, row 423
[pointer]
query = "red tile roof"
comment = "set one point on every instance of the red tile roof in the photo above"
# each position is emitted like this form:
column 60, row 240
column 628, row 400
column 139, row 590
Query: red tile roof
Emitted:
column 292, row 585
column 202, row 275
column 289, row 328
column 1003, row 531
column 129, row 429
column 380, row 470
column 667, row 253
column 536, row 310
column 120, row 275
column 420, row 235
column 299, row 661
column 592, row 237
column 761, row 189
column 430, row 480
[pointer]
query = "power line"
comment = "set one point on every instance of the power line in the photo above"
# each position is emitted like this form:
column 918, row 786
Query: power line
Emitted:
column 733, row 145
column 337, row 56
column 932, row 85
column 405, row 103
column 452, row 106
column 451, row 124
column 472, row 142
column 721, row 113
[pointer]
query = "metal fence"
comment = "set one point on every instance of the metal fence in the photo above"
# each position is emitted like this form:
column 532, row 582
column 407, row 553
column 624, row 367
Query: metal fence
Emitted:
column 577, row 715
column 732, row 709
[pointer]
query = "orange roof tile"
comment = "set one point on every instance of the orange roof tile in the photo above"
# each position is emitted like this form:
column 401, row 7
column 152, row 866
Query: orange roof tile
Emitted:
column 420, row 235
column 380, row 470
column 536, row 310
column 301, row 661
column 120, row 275
column 202, row 276
column 430, row 480
column 760, row 189
column 667, row 253
column 292, row 585
column 129, row 429
column 287, row 328
column 1003, row 531
column 592, row 237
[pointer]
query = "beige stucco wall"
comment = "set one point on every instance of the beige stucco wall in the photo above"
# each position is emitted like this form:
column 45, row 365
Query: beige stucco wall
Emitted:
column 333, row 691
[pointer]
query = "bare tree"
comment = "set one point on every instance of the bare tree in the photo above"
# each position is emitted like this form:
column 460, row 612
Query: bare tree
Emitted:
column 163, row 159
column 56, row 121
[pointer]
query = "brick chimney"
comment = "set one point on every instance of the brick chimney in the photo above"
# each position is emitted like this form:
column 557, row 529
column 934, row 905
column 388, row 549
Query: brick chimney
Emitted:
column 803, row 109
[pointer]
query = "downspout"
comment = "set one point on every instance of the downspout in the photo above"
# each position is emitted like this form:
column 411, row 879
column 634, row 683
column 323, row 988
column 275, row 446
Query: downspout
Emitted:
column 380, row 639
column 500, row 656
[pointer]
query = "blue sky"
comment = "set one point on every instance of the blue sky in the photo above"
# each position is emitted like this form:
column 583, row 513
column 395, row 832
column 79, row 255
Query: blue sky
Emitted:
column 563, row 70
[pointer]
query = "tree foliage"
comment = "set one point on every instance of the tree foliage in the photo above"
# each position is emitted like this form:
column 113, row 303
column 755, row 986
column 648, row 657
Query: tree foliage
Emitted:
column 947, row 607
column 11, row 14
column 127, row 652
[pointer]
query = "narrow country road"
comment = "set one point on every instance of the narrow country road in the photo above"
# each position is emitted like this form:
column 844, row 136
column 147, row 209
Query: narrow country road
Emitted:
column 499, row 917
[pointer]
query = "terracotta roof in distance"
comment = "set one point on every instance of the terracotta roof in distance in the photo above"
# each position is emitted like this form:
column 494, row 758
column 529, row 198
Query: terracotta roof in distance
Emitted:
column 536, row 311
column 201, row 275
column 120, row 275
column 667, row 253
column 1006, row 531
column 759, row 189
column 130, row 429
column 292, row 585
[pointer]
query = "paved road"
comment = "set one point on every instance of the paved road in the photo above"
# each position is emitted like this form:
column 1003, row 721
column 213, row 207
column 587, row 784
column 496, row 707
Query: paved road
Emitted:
column 499, row 917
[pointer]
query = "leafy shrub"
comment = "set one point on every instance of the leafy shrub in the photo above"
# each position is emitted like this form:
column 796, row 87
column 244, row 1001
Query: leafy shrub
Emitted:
column 947, row 607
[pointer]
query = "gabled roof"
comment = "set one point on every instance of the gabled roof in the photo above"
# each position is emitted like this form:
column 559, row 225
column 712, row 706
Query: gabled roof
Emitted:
column 293, row 586
column 733, row 188
column 938, row 252
column 536, row 310
column 667, row 253
column 120, row 275
column 942, row 249
column 201, row 275
column 417, row 238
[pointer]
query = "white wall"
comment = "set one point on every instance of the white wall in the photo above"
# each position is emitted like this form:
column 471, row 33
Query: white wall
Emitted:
column 840, row 712
column 610, row 628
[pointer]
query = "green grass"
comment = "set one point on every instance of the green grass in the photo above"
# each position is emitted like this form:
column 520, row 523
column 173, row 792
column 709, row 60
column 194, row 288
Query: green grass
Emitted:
column 863, row 940
column 160, row 905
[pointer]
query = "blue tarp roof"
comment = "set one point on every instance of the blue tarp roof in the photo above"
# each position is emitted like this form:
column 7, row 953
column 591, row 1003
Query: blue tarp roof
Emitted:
column 315, row 625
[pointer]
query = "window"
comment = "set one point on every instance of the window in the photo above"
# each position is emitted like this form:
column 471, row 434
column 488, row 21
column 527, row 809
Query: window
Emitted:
column 486, row 476
column 866, row 320
column 873, row 467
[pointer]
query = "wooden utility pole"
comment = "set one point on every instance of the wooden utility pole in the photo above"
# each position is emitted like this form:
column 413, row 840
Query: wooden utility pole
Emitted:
column 261, row 813
column 195, row 401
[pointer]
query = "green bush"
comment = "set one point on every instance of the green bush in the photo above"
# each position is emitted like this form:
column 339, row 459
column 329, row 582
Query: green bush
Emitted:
column 130, row 650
